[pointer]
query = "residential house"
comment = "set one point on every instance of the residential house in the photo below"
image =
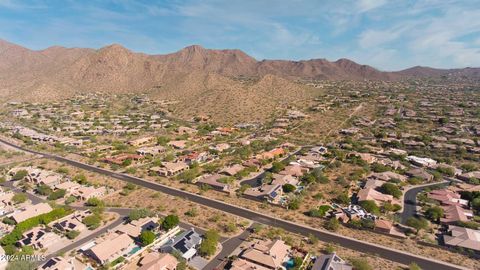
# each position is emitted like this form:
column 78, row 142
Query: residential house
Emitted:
column 387, row 176
column 119, row 159
column 38, row 238
column 270, row 254
column 454, row 213
column 232, row 170
column 186, row 244
column 181, row 144
column 31, row 211
column 368, row 158
column 456, row 171
column 220, row 147
column 351, row 212
column 69, row 187
column 198, row 157
column 186, row 130
column 294, row 170
column 420, row 173
column 158, row 261
column 142, row 141
column 57, row 263
column 423, row 162
column 212, row 180
column 110, row 247
column 170, row 168
column 373, row 183
column 370, row 194
column 85, row 193
column 330, row 262
column 242, row 264
column 447, row 197
column 271, row 193
column 469, row 175
column 387, row 227
column 269, row 155
column 462, row 237
column 282, row 179
column 135, row 227
column 151, row 151
column 72, row 222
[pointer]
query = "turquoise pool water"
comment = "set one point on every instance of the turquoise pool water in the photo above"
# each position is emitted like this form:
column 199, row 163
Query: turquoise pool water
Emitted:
column 289, row 264
column 134, row 250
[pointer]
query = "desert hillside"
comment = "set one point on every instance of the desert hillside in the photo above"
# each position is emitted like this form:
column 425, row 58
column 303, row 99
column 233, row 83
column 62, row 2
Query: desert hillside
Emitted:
column 203, row 81
column 56, row 72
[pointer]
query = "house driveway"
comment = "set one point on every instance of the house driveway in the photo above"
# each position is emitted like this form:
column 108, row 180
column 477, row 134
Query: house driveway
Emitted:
column 198, row 262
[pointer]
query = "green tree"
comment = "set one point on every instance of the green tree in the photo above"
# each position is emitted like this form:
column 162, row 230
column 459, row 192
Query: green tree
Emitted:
column 319, row 176
column 277, row 167
column 19, row 175
column 147, row 237
column 72, row 234
column 332, row 224
column 297, row 262
column 188, row 175
column 414, row 266
column 294, row 204
column 170, row 222
column 209, row 244
column 287, row 188
column 127, row 162
column 379, row 168
column 57, row 194
column 136, row 214
column 19, row 198
column 370, row 206
column 95, row 202
column 468, row 167
column 161, row 140
column 434, row 213
column 417, row 223
column 92, row 221
column 476, row 204
column 70, row 199
column 391, row 189
column 308, row 178
column 44, row 190
column 80, row 178
column 8, row 221
column 342, row 198
column 20, row 265
column 360, row 264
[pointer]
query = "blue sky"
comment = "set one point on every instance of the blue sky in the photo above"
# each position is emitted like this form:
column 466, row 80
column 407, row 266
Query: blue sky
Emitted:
column 389, row 35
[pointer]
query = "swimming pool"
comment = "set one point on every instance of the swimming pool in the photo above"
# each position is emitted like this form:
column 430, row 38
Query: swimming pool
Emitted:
column 290, row 263
column 134, row 250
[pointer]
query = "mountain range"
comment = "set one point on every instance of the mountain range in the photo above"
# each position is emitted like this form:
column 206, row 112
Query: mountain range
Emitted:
column 56, row 72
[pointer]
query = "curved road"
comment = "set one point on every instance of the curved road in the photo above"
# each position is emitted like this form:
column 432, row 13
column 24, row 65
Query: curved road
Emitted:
column 410, row 200
column 325, row 236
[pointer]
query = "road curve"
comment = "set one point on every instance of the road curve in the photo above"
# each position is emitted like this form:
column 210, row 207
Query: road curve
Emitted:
column 325, row 236
column 410, row 200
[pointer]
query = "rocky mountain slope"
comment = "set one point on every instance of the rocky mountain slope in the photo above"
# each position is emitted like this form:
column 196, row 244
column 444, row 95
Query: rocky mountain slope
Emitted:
column 58, row 71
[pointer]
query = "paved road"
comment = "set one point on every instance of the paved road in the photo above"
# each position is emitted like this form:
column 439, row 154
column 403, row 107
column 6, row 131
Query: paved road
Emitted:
column 79, row 243
column 325, row 236
column 410, row 200
column 228, row 247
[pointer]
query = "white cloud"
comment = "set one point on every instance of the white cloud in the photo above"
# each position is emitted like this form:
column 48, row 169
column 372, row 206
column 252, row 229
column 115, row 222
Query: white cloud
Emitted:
column 374, row 38
column 367, row 5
